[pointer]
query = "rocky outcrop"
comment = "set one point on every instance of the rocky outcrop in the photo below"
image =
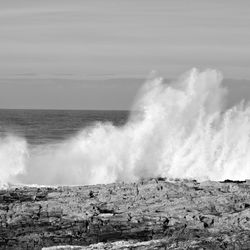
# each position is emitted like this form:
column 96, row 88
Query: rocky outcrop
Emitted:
column 150, row 214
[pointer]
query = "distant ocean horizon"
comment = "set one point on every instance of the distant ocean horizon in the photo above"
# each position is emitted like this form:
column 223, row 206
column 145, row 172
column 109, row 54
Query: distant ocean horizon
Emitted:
column 39, row 126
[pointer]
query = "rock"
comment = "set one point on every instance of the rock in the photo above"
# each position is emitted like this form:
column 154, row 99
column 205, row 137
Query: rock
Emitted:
column 150, row 214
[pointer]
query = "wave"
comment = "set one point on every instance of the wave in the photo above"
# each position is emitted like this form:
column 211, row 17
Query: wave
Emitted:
column 180, row 130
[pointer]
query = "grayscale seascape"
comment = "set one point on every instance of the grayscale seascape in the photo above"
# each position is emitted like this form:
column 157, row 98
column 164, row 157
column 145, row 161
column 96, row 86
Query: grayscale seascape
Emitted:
column 124, row 124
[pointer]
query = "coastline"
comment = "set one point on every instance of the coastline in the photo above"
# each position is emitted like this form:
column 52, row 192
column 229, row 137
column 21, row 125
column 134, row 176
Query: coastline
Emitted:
column 150, row 214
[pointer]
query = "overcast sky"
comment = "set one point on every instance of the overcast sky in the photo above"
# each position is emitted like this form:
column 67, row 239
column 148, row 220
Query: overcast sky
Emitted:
column 44, row 41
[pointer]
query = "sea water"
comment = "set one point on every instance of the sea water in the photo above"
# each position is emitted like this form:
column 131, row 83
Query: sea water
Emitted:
column 178, row 129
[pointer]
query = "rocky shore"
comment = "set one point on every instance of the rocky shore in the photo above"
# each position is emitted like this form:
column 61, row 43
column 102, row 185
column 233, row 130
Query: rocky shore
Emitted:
column 150, row 214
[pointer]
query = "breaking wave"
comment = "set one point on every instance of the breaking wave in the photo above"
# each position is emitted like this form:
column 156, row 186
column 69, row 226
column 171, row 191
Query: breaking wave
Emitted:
column 179, row 130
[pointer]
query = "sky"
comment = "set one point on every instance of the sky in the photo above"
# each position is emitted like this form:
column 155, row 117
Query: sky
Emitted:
column 67, row 54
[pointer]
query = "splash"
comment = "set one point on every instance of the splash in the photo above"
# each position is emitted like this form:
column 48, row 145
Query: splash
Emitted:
column 179, row 130
column 13, row 152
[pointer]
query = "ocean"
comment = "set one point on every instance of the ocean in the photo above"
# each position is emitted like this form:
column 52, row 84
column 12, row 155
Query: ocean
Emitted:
column 185, row 129
column 54, row 126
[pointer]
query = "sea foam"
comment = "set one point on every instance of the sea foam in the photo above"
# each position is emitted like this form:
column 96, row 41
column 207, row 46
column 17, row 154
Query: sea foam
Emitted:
column 178, row 129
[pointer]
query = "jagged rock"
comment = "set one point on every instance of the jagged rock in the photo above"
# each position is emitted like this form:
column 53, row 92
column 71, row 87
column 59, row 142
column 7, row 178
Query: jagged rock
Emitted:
column 150, row 214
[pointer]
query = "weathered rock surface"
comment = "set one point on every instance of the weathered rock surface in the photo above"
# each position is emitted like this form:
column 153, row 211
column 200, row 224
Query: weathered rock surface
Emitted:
column 151, row 214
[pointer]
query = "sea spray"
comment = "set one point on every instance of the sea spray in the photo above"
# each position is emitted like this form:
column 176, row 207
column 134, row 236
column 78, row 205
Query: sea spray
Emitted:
column 13, row 155
column 180, row 130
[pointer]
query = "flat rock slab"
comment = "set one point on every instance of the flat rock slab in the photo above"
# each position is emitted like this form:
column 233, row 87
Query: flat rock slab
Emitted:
column 150, row 214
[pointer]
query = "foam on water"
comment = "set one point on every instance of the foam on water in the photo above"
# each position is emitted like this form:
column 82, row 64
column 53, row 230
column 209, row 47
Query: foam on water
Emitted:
column 180, row 130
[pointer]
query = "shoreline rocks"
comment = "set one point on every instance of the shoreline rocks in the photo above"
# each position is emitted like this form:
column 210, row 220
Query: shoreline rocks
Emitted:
column 150, row 214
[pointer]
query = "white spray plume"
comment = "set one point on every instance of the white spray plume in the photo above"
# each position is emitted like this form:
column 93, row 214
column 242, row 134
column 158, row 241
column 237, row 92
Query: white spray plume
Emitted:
column 13, row 152
column 179, row 130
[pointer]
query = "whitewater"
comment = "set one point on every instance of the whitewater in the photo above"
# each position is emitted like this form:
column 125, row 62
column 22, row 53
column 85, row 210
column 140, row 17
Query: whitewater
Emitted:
column 178, row 129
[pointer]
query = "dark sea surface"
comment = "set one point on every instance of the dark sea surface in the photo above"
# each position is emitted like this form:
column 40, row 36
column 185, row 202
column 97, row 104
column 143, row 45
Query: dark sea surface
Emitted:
column 48, row 126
